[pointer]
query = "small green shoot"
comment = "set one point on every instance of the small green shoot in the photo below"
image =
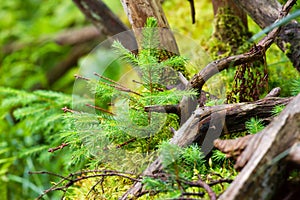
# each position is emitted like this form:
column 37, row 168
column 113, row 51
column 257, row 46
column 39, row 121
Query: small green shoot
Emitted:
column 254, row 125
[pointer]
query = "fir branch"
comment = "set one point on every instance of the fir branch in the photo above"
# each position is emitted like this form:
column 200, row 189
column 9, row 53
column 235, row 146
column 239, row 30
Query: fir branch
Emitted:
column 125, row 54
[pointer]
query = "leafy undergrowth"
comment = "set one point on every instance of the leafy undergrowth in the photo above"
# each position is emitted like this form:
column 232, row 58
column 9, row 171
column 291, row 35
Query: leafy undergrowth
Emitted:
column 117, row 135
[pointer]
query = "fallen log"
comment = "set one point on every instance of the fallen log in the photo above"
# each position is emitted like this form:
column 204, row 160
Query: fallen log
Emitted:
column 207, row 124
column 264, row 160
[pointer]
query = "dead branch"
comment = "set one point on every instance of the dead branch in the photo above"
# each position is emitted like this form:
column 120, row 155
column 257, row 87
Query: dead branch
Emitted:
column 63, row 145
column 138, row 11
column 107, row 22
column 208, row 123
column 264, row 157
column 257, row 52
column 264, row 13
column 66, row 182
column 210, row 192
column 198, row 122
column 70, row 37
column 78, row 36
column 70, row 61
column 232, row 147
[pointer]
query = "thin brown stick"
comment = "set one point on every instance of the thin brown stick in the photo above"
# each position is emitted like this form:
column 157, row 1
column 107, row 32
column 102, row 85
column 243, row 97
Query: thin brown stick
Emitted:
column 101, row 109
column 80, row 176
column 211, row 193
column 51, row 150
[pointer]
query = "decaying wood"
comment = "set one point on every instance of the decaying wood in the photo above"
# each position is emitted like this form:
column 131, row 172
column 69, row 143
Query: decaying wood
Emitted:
column 275, row 92
column 107, row 22
column 139, row 10
column 201, row 124
column 232, row 147
column 207, row 123
column 265, row 156
column 264, row 13
column 257, row 52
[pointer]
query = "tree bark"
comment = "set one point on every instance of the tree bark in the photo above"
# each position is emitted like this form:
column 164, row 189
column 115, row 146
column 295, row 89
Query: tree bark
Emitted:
column 139, row 10
column 265, row 155
column 264, row 13
column 208, row 123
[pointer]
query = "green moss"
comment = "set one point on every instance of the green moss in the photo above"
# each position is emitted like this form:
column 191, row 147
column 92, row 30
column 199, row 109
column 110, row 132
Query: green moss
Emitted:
column 230, row 35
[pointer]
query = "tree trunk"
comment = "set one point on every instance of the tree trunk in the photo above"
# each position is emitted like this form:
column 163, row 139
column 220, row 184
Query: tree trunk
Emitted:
column 233, row 6
column 139, row 10
column 264, row 13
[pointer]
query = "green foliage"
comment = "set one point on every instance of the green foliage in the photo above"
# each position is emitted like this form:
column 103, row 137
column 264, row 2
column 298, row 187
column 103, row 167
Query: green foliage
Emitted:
column 218, row 157
column 254, row 125
column 27, row 38
column 35, row 117
column 295, row 87
column 277, row 109
column 33, row 122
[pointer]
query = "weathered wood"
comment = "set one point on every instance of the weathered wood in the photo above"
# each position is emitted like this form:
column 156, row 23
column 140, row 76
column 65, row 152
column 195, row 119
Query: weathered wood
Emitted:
column 232, row 147
column 266, row 12
column 266, row 167
column 208, row 123
column 187, row 105
column 79, row 35
column 139, row 10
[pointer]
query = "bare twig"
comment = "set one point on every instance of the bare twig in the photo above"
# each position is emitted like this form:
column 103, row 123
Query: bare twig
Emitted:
column 51, row 150
column 163, row 109
column 101, row 109
column 82, row 175
column 211, row 193
column 116, row 85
